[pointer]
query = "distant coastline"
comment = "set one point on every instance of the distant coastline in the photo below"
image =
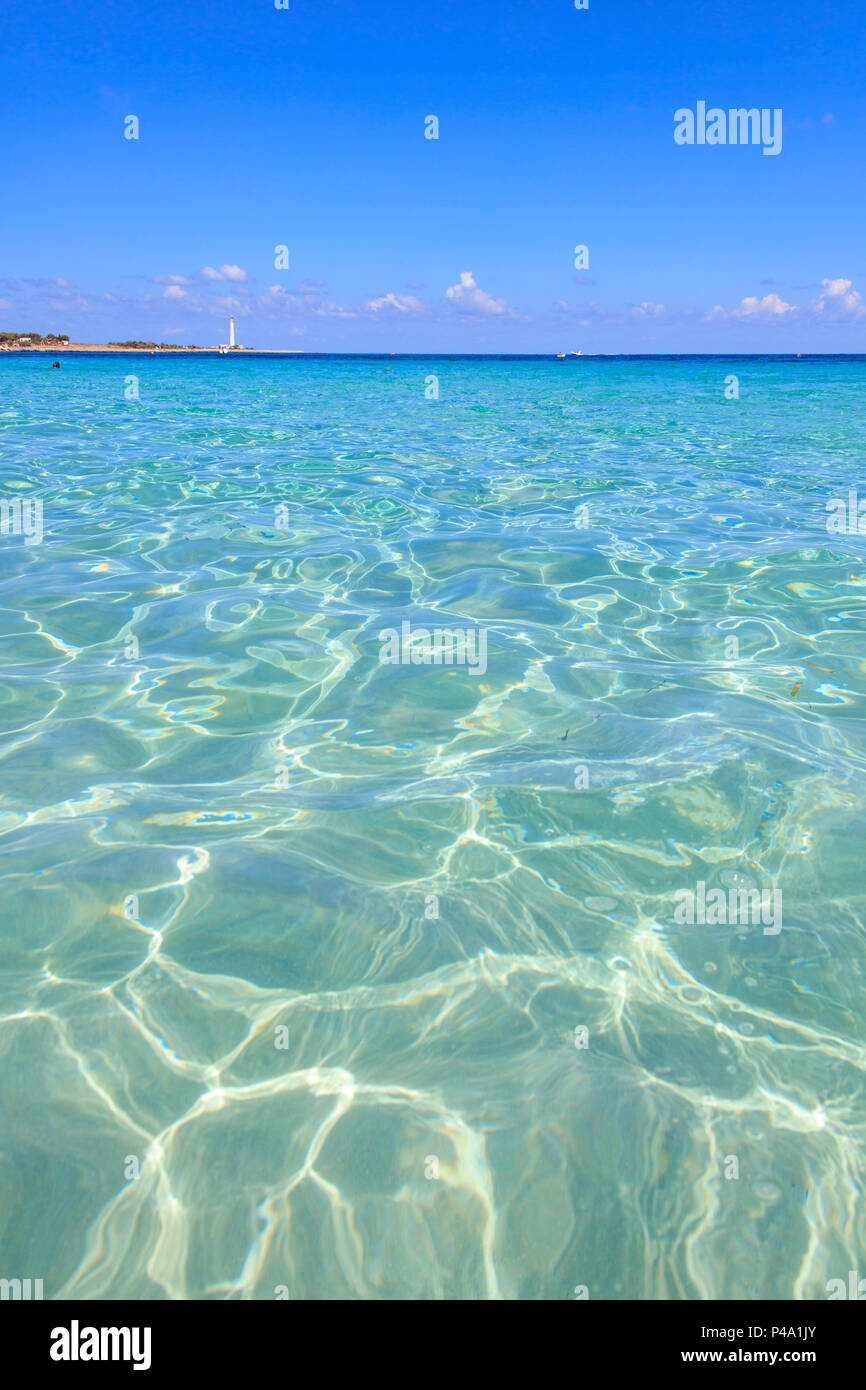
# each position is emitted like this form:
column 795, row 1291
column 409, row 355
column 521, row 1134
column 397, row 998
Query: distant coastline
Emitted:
column 56, row 347
column 159, row 350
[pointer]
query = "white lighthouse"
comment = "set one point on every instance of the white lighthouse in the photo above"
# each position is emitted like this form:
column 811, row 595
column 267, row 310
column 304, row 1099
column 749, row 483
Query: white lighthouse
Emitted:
column 232, row 331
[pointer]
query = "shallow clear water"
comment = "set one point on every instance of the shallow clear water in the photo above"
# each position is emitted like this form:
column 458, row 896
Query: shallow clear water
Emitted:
column 224, row 849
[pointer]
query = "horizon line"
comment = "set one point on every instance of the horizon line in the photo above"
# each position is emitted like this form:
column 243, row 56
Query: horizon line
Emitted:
column 105, row 350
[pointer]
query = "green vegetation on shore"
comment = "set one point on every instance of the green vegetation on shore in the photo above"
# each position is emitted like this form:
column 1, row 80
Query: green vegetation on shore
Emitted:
column 34, row 337
column 176, row 347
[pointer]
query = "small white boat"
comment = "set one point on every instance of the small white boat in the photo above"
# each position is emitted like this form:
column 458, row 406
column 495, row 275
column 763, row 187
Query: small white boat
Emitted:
column 579, row 353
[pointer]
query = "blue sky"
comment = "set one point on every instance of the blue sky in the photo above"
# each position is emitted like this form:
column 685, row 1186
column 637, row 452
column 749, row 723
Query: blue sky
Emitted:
column 305, row 127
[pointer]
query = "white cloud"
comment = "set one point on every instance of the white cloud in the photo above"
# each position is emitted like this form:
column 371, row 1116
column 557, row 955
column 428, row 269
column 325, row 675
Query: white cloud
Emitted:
column 162, row 280
column 837, row 303
column 647, row 310
column 838, row 300
column 468, row 295
column 771, row 306
column 225, row 272
column 304, row 302
column 70, row 302
column 228, row 303
column 403, row 303
column 175, row 292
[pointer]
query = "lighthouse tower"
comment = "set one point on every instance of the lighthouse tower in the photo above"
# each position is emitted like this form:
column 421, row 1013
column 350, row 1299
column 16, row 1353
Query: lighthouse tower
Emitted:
column 231, row 331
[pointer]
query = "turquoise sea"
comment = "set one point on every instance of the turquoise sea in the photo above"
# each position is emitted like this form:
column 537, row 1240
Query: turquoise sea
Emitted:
column 324, row 976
